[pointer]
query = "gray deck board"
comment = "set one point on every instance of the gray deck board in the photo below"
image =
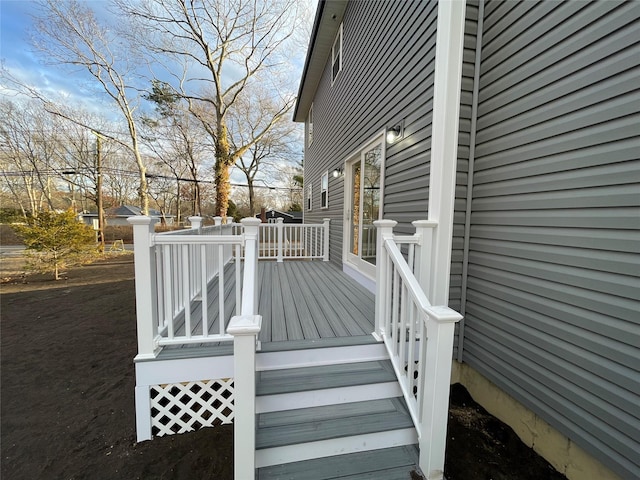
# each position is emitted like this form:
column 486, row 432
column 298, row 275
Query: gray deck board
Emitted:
column 337, row 301
column 278, row 319
column 289, row 427
column 292, row 318
column 349, row 303
column 300, row 301
column 264, row 303
column 320, row 319
column 388, row 464
column 309, row 329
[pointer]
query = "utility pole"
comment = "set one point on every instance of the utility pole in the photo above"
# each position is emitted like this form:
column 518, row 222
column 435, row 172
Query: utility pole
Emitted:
column 99, row 191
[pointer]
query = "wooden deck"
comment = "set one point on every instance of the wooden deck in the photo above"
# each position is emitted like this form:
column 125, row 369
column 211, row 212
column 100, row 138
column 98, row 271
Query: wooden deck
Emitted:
column 301, row 302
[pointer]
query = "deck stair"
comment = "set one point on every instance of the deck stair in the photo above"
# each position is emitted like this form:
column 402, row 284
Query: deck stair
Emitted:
column 345, row 418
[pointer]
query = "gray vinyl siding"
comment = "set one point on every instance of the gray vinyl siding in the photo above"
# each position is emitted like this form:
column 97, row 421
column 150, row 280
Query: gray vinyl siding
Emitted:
column 462, row 167
column 552, row 299
column 387, row 76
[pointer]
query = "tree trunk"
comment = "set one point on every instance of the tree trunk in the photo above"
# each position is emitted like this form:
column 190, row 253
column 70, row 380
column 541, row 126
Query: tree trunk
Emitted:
column 252, row 197
column 178, row 203
column 198, row 200
column 99, row 202
column 223, row 163
column 223, row 189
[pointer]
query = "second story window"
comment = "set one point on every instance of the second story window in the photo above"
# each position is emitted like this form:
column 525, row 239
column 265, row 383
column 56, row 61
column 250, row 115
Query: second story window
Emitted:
column 324, row 190
column 310, row 126
column 336, row 55
column 309, row 197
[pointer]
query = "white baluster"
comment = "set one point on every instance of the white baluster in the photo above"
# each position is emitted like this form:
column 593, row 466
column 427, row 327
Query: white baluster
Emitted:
column 280, row 236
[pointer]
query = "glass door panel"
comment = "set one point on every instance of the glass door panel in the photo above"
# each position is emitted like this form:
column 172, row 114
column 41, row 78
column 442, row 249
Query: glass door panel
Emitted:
column 355, row 209
column 362, row 207
column 370, row 202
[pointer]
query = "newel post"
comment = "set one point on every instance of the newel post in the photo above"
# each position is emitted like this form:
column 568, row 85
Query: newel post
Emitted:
column 280, row 237
column 245, row 330
column 250, row 276
column 196, row 223
column 441, row 324
column 326, row 222
column 217, row 221
column 145, row 274
column 422, row 269
column 384, row 231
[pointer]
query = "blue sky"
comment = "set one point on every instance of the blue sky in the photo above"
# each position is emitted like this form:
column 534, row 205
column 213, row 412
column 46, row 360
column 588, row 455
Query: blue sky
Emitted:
column 20, row 57
column 15, row 22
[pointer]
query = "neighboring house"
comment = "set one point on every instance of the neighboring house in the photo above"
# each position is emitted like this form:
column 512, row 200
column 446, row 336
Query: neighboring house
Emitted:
column 117, row 216
column 287, row 217
column 545, row 255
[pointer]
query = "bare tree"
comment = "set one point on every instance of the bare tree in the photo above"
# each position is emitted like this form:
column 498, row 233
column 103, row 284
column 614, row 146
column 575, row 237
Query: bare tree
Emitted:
column 31, row 154
column 177, row 139
column 271, row 151
column 224, row 47
column 69, row 33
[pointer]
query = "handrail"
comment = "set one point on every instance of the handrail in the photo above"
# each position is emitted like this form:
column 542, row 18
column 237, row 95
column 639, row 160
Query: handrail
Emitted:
column 417, row 335
column 407, row 276
column 161, row 239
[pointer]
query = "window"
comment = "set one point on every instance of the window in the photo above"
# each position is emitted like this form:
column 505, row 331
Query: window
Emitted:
column 309, row 197
column 324, row 190
column 310, row 126
column 336, row 55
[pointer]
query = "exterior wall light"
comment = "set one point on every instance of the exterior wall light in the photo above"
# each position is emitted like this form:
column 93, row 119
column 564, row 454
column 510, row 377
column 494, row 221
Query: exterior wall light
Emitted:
column 395, row 133
column 338, row 172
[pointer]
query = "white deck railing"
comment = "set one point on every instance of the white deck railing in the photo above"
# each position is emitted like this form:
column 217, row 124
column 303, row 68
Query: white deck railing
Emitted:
column 417, row 335
column 294, row 241
column 285, row 241
column 175, row 273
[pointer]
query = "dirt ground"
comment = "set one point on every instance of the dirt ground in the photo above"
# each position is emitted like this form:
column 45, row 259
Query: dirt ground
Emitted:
column 67, row 386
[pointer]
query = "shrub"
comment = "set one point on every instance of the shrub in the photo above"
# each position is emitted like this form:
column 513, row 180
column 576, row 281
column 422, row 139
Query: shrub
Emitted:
column 56, row 240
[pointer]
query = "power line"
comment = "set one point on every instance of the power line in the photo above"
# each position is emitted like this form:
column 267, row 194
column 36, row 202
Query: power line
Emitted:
column 87, row 170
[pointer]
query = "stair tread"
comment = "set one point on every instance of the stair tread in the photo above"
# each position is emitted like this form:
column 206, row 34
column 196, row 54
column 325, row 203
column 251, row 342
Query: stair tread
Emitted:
column 389, row 463
column 291, row 380
column 333, row 421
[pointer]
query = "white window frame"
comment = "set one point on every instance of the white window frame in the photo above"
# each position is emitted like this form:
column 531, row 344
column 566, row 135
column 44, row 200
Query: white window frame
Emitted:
column 310, row 126
column 339, row 40
column 324, row 190
column 363, row 272
column 309, row 198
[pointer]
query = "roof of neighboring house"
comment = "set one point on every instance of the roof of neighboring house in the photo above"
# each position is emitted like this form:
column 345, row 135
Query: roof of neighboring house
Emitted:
column 274, row 213
column 325, row 27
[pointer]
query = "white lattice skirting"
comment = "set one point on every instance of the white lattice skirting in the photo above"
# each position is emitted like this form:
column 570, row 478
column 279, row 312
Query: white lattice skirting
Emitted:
column 189, row 406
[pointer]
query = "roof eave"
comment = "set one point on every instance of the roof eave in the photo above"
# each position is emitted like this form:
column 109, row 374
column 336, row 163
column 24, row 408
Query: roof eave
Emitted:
column 325, row 27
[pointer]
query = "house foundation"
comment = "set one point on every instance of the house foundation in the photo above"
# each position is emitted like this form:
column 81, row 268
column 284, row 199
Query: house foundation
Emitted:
column 561, row 452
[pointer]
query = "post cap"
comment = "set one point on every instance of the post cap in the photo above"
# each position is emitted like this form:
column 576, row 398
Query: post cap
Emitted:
column 250, row 222
column 385, row 223
column 245, row 325
column 141, row 220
